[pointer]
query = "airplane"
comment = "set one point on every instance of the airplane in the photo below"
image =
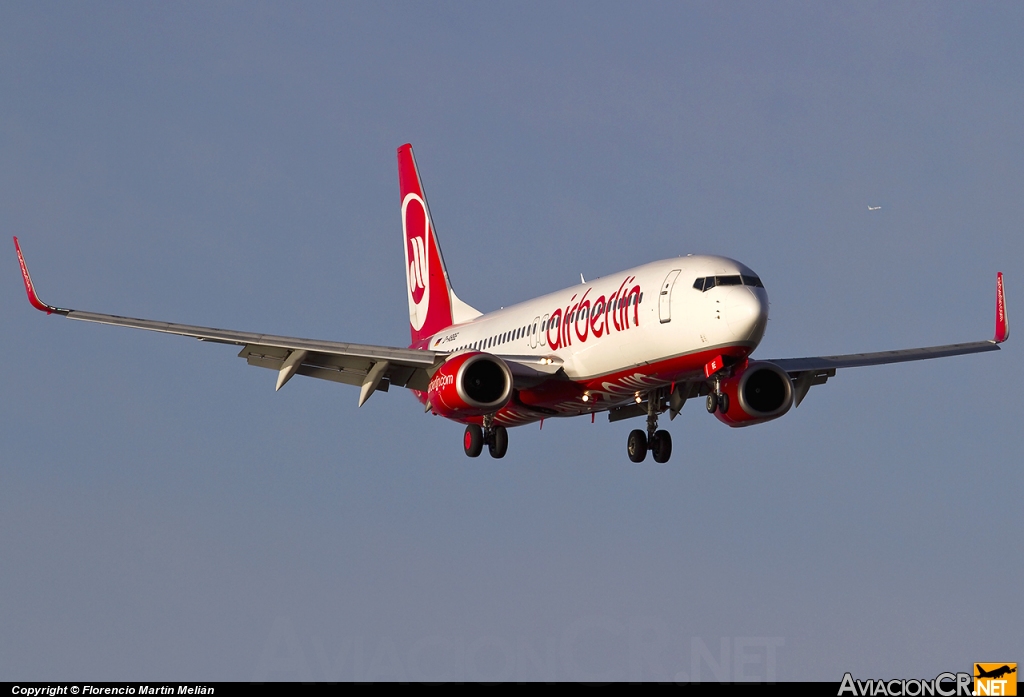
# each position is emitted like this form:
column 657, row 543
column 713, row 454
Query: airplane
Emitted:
column 874, row 208
column 637, row 343
column 996, row 673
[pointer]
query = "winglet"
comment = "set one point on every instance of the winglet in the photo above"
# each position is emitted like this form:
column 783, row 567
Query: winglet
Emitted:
column 1002, row 323
column 31, row 289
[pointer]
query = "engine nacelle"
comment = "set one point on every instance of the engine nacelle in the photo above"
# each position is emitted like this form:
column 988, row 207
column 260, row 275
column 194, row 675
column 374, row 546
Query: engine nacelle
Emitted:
column 470, row 384
column 760, row 392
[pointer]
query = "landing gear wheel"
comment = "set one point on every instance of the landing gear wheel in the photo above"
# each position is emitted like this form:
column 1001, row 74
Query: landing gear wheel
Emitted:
column 723, row 403
column 661, row 446
column 636, row 445
column 712, row 402
column 498, row 444
column 473, row 441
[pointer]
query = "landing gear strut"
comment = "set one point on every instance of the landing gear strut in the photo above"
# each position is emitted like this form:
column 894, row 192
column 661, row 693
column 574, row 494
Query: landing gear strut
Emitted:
column 494, row 437
column 658, row 442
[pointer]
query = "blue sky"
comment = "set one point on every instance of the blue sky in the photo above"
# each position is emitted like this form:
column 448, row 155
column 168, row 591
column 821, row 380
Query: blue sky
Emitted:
column 164, row 514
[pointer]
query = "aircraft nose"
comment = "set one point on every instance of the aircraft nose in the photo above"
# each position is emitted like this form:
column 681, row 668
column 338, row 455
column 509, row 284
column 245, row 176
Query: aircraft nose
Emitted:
column 746, row 313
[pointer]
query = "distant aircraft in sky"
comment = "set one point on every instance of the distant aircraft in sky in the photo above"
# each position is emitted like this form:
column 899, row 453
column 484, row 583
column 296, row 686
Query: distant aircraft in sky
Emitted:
column 874, row 208
column 636, row 343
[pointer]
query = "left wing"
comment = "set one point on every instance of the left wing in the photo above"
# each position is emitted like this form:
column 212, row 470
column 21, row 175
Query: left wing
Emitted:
column 370, row 367
column 816, row 370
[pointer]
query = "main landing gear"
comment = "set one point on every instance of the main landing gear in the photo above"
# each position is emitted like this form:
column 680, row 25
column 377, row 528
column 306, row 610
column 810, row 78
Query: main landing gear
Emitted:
column 495, row 437
column 658, row 442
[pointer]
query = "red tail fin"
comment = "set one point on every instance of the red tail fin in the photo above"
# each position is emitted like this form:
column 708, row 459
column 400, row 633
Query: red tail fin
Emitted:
column 430, row 306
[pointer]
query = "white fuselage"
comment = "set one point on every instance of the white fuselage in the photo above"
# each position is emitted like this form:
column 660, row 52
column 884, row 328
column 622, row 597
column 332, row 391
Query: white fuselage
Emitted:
column 637, row 317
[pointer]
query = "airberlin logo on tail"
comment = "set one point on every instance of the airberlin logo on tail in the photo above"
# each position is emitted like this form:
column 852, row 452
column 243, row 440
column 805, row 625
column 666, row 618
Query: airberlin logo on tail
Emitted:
column 418, row 268
column 416, row 229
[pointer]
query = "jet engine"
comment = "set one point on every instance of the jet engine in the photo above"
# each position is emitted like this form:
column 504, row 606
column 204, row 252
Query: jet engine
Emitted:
column 759, row 392
column 470, row 384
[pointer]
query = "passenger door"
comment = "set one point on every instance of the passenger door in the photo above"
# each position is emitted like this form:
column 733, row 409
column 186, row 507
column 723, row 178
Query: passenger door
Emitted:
column 665, row 297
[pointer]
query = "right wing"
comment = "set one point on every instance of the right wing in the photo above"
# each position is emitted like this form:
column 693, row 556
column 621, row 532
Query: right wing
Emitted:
column 370, row 367
column 816, row 370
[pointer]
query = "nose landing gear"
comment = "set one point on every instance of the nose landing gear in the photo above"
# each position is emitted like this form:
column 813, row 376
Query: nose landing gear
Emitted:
column 717, row 400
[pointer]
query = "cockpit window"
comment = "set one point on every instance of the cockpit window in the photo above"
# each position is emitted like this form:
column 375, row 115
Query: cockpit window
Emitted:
column 709, row 282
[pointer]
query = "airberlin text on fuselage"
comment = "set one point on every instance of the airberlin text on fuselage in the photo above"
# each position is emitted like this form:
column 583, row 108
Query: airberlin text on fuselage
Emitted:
column 594, row 317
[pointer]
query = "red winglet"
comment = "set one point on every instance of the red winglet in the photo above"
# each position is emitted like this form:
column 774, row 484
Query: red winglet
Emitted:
column 1002, row 324
column 31, row 289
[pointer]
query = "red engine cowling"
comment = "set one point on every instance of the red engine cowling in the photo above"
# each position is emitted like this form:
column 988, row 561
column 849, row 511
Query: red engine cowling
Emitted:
column 759, row 392
column 470, row 384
